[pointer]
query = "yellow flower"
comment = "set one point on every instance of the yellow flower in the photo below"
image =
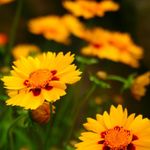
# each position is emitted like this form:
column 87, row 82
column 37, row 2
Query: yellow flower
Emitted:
column 115, row 46
column 89, row 9
column 24, row 50
column 34, row 80
column 138, row 88
column 116, row 131
column 5, row 1
column 51, row 27
column 73, row 25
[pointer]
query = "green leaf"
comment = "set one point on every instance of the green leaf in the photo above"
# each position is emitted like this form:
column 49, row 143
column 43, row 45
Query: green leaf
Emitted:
column 87, row 61
column 69, row 148
column 3, row 97
column 99, row 82
column 128, row 83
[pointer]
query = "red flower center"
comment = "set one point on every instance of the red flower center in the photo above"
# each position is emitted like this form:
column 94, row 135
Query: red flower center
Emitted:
column 40, row 79
column 117, row 138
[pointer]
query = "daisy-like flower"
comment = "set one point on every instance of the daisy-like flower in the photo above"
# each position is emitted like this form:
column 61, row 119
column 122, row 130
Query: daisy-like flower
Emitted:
column 51, row 27
column 115, row 46
column 116, row 131
column 5, row 1
column 138, row 88
column 90, row 9
column 73, row 25
column 34, row 80
column 24, row 50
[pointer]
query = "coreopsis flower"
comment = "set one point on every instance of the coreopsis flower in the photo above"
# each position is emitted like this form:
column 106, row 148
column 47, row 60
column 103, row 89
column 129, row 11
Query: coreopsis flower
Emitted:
column 3, row 39
column 114, row 46
column 116, row 131
column 138, row 88
column 73, row 25
column 5, row 1
column 51, row 27
column 90, row 9
column 24, row 50
column 44, row 78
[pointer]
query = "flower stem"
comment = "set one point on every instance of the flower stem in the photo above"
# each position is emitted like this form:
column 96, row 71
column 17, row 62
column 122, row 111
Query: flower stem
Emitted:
column 78, row 108
column 14, row 27
column 10, row 132
column 49, row 128
column 116, row 78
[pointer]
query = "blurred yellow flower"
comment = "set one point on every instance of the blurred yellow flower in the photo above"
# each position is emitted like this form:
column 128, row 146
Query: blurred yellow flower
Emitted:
column 34, row 80
column 51, row 27
column 138, row 88
column 5, row 1
column 73, row 25
column 114, row 46
column 116, row 131
column 3, row 39
column 24, row 50
column 57, row 28
column 89, row 9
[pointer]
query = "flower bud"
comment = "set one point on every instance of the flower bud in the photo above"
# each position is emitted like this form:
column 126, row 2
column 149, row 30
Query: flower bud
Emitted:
column 102, row 75
column 42, row 114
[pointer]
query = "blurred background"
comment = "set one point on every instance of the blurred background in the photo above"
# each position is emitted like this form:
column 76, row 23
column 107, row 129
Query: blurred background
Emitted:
column 132, row 17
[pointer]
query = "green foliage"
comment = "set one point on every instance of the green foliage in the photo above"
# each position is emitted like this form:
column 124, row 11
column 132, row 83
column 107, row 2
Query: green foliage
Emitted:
column 99, row 82
column 86, row 61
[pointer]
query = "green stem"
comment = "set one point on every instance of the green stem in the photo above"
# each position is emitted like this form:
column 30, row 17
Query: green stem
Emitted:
column 14, row 27
column 10, row 133
column 116, row 78
column 78, row 108
column 58, row 117
column 49, row 128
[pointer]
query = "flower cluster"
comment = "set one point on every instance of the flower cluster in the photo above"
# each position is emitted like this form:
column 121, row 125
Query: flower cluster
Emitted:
column 39, row 78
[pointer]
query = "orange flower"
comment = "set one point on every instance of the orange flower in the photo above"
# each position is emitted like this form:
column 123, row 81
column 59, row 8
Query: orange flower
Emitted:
column 51, row 27
column 5, row 1
column 89, row 9
column 114, row 46
column 3, row 39
column 73, row 25
column 138, row 88
column 57, row 28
